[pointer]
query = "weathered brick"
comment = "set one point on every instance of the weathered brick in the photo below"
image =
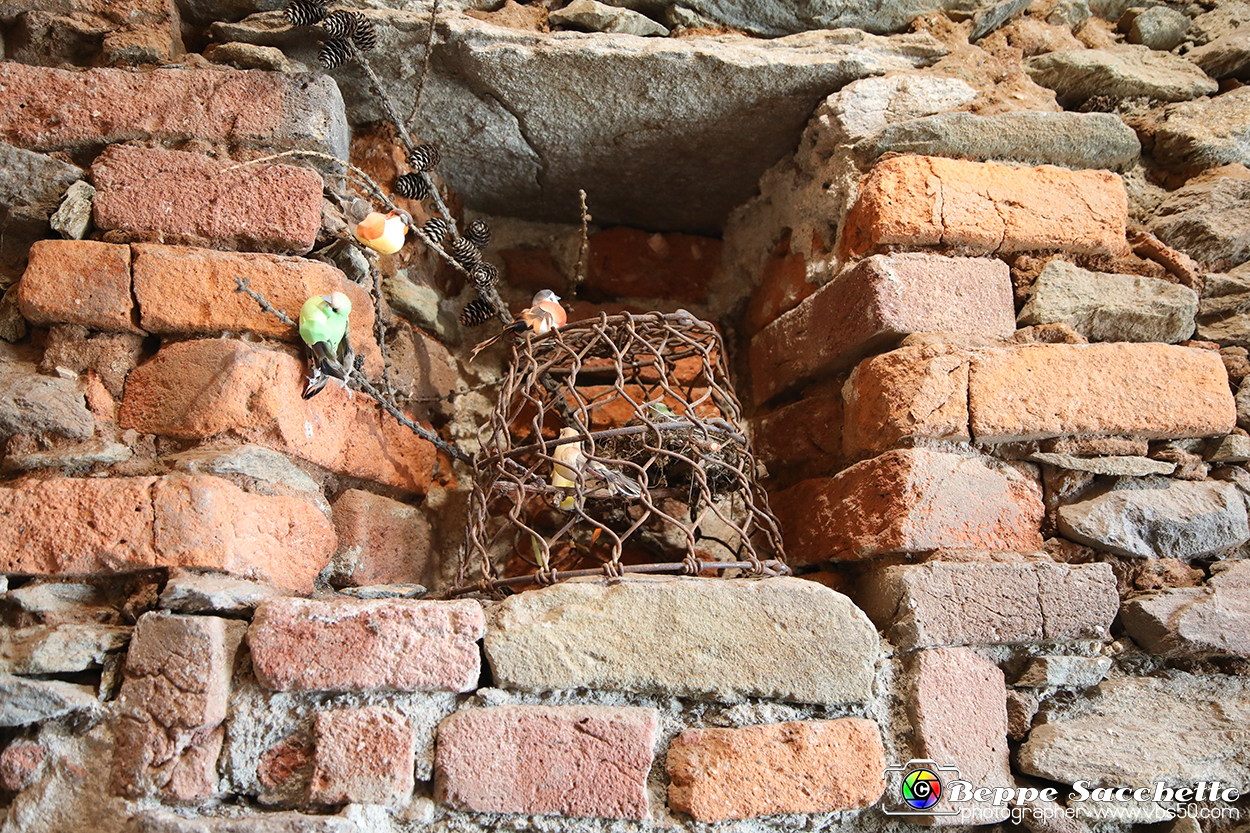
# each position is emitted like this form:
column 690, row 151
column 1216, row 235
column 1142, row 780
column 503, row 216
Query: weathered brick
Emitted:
column 183, row 290
column 809, row 644
column 209, row 387
column 90, row 525
column 783, row 286
column 51, row 109
column 582, row 761
column 632, row 263
column 1148, row 390
column 801, row 440
column 363, row 756
column 958, row 710
column 146, row 194
column 872, row 306
column 19, row 765
column 980, row 208
column 355, row 645
column 911, row 392
column 818, row 766
column 910, row 501
column 381, row 541
column 172, row 704
column 941, row 603
column 78, row 282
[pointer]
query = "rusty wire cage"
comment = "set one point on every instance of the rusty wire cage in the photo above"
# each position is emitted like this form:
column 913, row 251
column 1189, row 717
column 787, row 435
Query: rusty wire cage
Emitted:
column 616, row 446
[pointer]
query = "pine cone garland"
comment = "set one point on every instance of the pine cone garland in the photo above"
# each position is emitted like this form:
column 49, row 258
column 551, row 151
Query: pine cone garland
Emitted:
column 423, row 157
column 340, row 24
column 366, row 36
column 484, row 275
column 476, row 313
column 436, row 228
column 411, row 186
column 465, row 252
column 478, row 233
column 305, row 12
column 334, row 52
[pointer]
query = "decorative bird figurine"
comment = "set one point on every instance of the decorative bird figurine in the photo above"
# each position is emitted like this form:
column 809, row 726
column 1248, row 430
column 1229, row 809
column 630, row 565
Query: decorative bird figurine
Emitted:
column 384, row 233
column 571, row 459
column 323, row 327
column 543, row 315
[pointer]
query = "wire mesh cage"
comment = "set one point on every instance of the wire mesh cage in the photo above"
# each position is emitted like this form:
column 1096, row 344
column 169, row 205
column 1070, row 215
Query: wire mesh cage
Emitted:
column 616, row 446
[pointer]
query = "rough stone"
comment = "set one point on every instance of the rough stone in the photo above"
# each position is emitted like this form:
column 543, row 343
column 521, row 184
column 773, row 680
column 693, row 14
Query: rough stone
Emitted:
column 188, row 592
column 944, row 603
column 1206, row 133
column 1158, row 27
column 579, row 761
column 74, row 348
column 72, row 220
column 31, row 186
column 1125, row 72
column 172, row 196
column 1021, row 709
column 255, row 469
column 980, row 208
column 871, row 306
column 861, row 110
column 1114, row 738
column 592, row 16
column 78, row 282
column 1158, row 517
column 1235, row 448
column 1207, row 218
column 772, row 19
column 249, row 56
column 209, row 387
column 364, row 756
column 1210, row 621
column 34, row 404
column 685, row 640
column 1126, row 466
column 817, row 766
column 19, row 765
column 172, row 704
column 992, row 18
column 24, row 701
column 168, row 821
column 88, row 525
column 1222, row 20
column 51, row 109
column 910, row 500
column 1064, row 671
column 1154, row 391
column 349, row 645
column 86, row 32
column 1104, row 306
column 1225, row 57
column 381, row 541
column 59, row 649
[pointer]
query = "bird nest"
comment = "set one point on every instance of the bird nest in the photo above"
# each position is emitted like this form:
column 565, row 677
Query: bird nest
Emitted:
column 617, row 446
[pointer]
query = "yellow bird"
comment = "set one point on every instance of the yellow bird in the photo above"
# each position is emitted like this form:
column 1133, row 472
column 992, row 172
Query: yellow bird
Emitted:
column 384, row 233
column 571, row 459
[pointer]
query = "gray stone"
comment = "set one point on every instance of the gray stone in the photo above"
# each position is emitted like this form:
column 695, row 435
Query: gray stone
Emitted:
column 385, row 591
column 72, row 219
column 1157, row 517
column 255, row 468
column 680, row 16
column 942, row 603
column 1129, row 466
column 1073, row 140
column 771, row 18
column 1110, row 307
column 1226, row 57
column 1206, row 133
column 995, row 17
column 34, row 404
column 31, row 186
column 1175, row 727
column 201, row 12
column 1073, row 14
column 12, row 324
column 808, row 644
column 1234, row 448
column 1210, row 621
column 1158, row 27
column 592, row 16
column 166, row 821
column 188, row 592
column 862, row 109
column 59, row 649
column 1227, row 17
column 82, row 455
column 250, row 56
column 1064, row 672
column 1125, row 72
column 24, row 701
column 420, row 304
column 1224, row 311
column 1209, row 218
column 1243, row 404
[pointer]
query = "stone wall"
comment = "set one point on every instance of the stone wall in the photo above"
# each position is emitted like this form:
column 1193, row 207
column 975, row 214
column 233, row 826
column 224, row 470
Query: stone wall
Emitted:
column 982, row 272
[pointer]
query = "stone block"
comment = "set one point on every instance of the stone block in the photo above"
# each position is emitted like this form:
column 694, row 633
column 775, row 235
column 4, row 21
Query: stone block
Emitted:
column 34, row 404
column 64, row 648
column 78, row 282
column 1205, row 133
column 110, row 355
column 381, row 541
column 1064, row 671
column 1128, row 71
column 24, row 700
column 1207, row 218
column 363, row 756
column 1210, row 621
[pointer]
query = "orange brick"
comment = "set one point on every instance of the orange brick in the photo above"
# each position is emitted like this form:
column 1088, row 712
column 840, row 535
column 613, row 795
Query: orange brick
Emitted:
column 632, row 263
column 801, row 440
column 78, row 282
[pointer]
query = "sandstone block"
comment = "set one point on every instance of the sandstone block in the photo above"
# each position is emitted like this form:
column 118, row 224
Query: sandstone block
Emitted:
column 381, row 541
column 1211, row 621
column 580, row 761
column 1126, row 71
column 364, row 756
column 192, row 592
column 388, row 644
column 59, row 649
column 209, row 387
column 870, row 307
column 24, row 700
column 90, row 525
column 171, row 196
column 631, row 263
column 1207, row 217
column 817, row 766
column 172, row 704
column 1048, row 390
column 809, row 644
column 78, row 282
column 1065, row 671
column 981, row 208
column 910, row 501
column 1206, row 133
column 941, row 603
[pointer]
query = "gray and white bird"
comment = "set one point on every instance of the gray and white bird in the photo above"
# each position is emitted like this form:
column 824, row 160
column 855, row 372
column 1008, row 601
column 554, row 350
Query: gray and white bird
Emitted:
column 571, row 459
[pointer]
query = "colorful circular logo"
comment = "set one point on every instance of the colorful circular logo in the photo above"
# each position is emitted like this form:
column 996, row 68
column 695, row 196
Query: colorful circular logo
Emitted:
column 921, row 789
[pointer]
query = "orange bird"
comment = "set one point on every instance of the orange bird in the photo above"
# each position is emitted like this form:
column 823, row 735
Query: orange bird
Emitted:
column 542, row 316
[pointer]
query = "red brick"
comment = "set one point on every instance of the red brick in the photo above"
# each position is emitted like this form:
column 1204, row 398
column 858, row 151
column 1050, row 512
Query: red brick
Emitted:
column 364, row 756
column 631, row 263
column 353, row 645
column 50, row 109
column 580, row 761
column 819, row 766
column 90, row 525
column 213, row 387
column 872, row 306
column 183, row 290
column 172, row 704
column 284, row 763
column 147, row 194
column 1146, row 390
column 801, row 440
column 958, row 711
column 910, row 501
column 783, row 285
column 78, row 282
column 381, row 541
column 19, row 765
column 980, row 208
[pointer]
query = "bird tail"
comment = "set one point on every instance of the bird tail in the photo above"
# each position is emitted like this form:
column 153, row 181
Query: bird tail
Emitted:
column 517, row 326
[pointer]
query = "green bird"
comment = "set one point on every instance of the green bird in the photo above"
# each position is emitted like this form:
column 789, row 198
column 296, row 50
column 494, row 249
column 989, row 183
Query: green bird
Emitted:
column 323, row 326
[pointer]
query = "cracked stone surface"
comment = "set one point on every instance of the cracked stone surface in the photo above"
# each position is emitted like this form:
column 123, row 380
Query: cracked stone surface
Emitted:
column 1210, row 621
